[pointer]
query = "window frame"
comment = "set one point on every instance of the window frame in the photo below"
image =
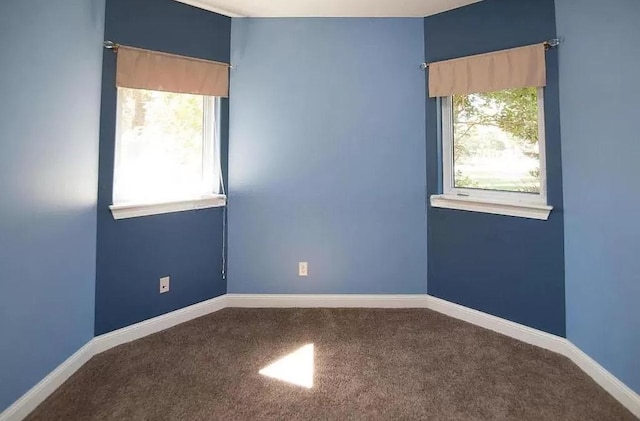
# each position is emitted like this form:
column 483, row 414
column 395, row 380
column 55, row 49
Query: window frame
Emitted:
column 210, row 143
column 519, row 204
column 211, row 167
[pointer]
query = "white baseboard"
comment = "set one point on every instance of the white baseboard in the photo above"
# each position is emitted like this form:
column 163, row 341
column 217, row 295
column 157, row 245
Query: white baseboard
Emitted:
column 326, row 300
column 38, row 393
column 616, row 388
column 523, row 333
column 30, row 400
column 508, row 328
column 140, row 330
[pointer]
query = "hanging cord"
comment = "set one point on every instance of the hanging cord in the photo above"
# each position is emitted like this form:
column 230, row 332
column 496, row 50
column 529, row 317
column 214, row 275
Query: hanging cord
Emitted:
column 224, row 243
column 224, row 208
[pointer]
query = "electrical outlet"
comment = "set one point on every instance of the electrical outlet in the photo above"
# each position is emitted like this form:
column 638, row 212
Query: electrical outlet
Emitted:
column 303, row 269
column 164, row 284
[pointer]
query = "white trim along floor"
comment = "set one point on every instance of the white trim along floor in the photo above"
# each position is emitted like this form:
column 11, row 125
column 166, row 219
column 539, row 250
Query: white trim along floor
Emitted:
column 30, row 400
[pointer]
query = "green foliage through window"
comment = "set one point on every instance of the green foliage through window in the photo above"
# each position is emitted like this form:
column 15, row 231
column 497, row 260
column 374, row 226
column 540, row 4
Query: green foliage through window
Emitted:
column 495, row 143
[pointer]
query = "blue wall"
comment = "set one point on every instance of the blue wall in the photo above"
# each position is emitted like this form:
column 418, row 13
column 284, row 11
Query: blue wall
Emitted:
column 510, row 267
column 600, row 156
column 134, row 253
column 48, row 177
column 327, row 156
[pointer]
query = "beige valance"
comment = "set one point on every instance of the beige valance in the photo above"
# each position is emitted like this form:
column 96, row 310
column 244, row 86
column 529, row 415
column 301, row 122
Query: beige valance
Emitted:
column 507, row 69
column 153, row 70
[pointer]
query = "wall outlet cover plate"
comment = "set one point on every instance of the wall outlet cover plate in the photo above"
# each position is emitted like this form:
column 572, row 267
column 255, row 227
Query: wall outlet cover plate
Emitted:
column 164, row 284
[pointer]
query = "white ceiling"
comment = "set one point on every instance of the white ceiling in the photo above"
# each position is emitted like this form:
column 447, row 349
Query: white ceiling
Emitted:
column 328, row 8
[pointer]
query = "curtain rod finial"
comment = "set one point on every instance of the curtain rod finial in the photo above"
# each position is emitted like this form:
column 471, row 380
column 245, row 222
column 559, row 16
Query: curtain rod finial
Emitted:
column 552, row 43
column 110, row 45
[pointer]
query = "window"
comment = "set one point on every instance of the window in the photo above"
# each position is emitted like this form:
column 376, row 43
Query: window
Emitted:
column 493, row 152
column 493, row 144
column 166, row 152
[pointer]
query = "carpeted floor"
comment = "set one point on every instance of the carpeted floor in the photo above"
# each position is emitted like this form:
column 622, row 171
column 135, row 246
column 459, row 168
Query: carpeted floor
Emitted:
column 369, row 364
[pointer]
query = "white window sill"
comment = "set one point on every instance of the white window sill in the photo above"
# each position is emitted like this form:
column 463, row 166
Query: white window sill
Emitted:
column 496, row 207
column 134, row 210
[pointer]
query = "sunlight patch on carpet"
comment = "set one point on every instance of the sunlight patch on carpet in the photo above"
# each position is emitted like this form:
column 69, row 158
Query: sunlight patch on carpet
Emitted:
column 295, row 368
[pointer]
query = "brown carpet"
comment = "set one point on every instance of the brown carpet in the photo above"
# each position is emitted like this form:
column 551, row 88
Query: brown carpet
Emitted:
column 369, row 364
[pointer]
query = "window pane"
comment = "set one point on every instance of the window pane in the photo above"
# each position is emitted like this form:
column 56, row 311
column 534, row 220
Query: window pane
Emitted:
column 495, row 141
column 159, row 150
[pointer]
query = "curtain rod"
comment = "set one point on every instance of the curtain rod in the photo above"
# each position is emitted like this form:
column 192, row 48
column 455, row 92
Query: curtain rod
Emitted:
column 113, row 46
column 549, row 44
